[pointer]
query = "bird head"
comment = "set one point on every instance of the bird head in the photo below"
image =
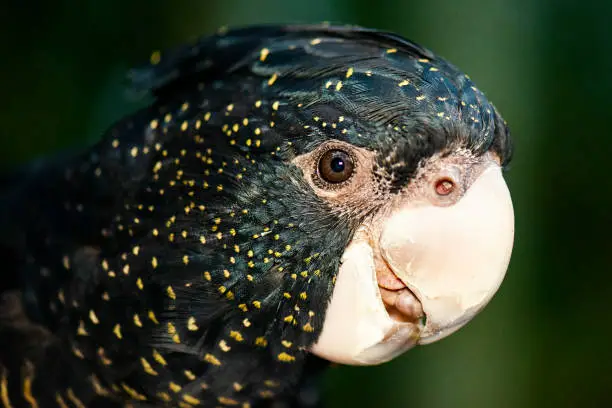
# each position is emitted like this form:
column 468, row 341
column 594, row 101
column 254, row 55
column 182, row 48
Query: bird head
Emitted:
column 326, row 190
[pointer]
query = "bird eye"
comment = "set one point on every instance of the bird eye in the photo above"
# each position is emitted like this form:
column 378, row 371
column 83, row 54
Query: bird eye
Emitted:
column 335, row 166
column 444, row 186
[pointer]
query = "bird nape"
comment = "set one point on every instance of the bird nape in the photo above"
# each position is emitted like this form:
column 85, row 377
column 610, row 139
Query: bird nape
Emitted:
column 292, row 195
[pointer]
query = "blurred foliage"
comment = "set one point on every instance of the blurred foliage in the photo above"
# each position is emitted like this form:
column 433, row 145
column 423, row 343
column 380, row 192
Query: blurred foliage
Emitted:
column 545, row 339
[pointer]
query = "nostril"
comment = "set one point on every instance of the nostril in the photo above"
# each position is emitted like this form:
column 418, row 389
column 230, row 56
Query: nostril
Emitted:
column 444, row 186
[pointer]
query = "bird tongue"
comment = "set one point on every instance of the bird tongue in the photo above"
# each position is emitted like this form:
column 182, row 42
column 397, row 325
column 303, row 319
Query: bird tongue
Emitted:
column 401, row 304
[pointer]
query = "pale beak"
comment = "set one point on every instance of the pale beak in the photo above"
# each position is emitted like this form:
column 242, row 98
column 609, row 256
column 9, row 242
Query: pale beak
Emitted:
column 453, row 259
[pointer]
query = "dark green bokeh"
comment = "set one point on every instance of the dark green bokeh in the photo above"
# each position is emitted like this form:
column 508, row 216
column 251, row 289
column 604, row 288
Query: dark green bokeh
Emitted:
column 545, row 339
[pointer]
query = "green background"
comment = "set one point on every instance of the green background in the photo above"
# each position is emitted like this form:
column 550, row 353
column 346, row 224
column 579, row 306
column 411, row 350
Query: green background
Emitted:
column 545, row 339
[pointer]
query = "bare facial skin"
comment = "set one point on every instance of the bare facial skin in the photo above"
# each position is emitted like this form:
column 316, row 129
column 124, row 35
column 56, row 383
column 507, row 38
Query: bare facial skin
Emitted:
column 427, row 261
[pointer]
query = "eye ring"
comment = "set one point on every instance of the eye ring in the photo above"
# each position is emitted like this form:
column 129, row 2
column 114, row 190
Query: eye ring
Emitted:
column 444, row 186
column 335, row 166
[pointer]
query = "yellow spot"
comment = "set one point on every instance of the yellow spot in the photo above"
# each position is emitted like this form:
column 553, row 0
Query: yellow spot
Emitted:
column 264, row 54
column 137, row 320
column 159, row 358
column 288, row 319
column 174, row 386
column 261, row 341
column 154, row 262
column 115, row 143
column 207, row 276
column 139, row 283
column 275, row 105
column 272, row 79
column 92, row 316
column 246, row 323
column 223, row 346
column 190, row 375
column 133, row 393
column 184, row 126
column 134, row 151
column 126, row 269
column 420, row 97
column 423, row 60
column 191, row 324
column 349, row 72
column 66, row 262
column 308, row 328
column 236, row 335
column 74, row 399
column 404, row 82
column 4, row 394
column 185, row 259
column 77, row 352
column 170, row 292
column 117, row 331
column 315, row 41
column 257, row 304
column 97, row 386
column 191, row 400
column 303, row 295
column 433, row 69
column 339, row 85
column 147, row 367
column 152, row 317
column 258, row 104
column 287, row 295
column 209, row 358
column 286, row 343
column 285, row 358
column 81, row 331
column 155, row 57
column 164, row 396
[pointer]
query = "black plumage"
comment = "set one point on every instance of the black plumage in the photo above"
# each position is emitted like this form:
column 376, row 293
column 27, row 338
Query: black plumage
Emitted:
column 183, row 259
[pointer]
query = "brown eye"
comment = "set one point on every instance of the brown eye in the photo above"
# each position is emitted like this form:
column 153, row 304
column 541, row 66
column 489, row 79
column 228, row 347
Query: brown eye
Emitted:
column 335, row 166
column 444, row 186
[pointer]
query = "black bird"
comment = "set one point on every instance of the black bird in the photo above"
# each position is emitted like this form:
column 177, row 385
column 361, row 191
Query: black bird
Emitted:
column 291, row 192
